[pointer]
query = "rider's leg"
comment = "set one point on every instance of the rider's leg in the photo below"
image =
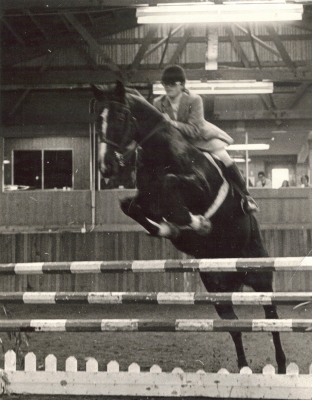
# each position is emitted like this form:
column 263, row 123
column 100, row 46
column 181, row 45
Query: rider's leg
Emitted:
column 236, row 177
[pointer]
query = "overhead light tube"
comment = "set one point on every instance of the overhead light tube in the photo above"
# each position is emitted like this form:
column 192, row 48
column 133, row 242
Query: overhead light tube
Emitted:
column 203, row 13
column 223, row 87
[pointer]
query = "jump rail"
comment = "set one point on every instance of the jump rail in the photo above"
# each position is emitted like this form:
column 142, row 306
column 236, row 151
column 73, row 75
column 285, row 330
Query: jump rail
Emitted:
column 187, row 265
column 236, row 298
column 152, row 325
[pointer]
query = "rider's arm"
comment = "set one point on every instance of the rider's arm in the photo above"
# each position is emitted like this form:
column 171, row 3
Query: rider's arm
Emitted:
column 195, row 117
column 191, row 128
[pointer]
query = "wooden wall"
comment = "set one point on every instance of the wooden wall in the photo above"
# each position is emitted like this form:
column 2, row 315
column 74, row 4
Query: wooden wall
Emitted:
column 289, row 208
column 285, row 219
column 71, row 246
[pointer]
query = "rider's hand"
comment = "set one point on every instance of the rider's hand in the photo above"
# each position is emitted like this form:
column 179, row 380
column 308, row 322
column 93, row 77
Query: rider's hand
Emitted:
column 172, row 122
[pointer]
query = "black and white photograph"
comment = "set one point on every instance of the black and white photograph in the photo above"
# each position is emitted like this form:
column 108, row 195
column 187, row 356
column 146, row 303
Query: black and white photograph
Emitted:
column 156, row 199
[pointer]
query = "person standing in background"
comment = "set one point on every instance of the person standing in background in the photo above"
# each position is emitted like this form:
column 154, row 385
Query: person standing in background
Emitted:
column 263, row 181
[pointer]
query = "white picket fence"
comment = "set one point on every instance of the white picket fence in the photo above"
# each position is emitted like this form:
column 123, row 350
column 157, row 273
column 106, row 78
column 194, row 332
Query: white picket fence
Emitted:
column 177, row 383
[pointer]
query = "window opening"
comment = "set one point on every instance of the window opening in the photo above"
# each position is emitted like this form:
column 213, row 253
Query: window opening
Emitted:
column 42, row 169
column 278, row 176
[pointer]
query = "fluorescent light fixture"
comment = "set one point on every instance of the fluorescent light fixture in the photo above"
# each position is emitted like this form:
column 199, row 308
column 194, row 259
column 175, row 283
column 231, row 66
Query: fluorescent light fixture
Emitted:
column 223, row 87
column 217, row 13
column 240, row 159
column 256, row 146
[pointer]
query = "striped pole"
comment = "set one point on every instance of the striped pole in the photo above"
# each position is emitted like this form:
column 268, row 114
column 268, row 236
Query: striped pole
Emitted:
column 191, row 265
column 158, row 298
column 150, row 325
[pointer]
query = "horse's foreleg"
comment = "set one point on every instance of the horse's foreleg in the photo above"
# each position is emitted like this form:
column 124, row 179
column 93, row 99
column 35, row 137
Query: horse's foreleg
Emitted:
column 178, row 194
column 174, row 207
column 227, row 312
column 133, row 210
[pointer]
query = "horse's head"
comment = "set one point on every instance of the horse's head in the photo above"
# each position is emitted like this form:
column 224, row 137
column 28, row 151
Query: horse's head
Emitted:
column 116, row 125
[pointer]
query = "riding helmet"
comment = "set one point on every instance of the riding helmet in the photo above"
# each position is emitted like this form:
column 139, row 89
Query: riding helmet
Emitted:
column 173, row 74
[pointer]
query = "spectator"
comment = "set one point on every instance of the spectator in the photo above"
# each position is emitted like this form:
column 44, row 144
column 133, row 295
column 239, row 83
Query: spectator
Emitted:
column 263, row 181
column 305, row 181
column 285, row 183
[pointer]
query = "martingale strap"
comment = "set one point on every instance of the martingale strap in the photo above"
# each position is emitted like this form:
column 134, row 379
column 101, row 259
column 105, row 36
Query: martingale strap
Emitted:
column 222, row 193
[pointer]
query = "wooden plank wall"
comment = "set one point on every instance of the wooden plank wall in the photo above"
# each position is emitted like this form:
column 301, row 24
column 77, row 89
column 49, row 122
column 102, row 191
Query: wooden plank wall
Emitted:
column 289, row 208
column 71, row 246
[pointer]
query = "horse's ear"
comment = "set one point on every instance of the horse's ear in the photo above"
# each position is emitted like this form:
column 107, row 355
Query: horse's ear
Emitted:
column 102, row 92
column 120, row 91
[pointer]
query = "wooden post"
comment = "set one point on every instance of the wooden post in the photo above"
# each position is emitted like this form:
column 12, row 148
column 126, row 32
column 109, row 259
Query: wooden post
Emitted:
column 212, row 50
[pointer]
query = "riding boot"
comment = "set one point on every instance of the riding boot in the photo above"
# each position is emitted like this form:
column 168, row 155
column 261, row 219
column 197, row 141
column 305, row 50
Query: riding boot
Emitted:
column 249, row 204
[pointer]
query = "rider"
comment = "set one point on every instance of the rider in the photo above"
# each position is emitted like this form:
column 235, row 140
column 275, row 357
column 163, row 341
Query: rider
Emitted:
column 184, row 110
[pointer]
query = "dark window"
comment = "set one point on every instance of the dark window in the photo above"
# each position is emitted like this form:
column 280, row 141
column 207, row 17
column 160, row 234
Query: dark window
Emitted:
column 47, row 169
column 28, row 168
column 58, row 169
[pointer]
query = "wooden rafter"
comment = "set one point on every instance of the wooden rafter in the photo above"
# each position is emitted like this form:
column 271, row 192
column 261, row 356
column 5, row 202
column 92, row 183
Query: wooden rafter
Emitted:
column 280, row 47
column 45, row 65
column 293, row 100
column 165, row 49
column 304, row 25
column 259, row 41
column 140, row 54
column 238, row 47
column 94, row 46
column 180, row 46
column 27, row 77
column 13, row 31
column 253, row 46
column 162, row 41
column 36, row 23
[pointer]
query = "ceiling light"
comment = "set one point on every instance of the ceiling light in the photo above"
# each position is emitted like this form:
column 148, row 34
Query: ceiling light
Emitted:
column 240, row 159
column 256, row 146
column 218, row 13
column 223, row 87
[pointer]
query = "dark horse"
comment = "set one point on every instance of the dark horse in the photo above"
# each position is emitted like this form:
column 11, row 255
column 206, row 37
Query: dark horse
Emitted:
column 178, row 188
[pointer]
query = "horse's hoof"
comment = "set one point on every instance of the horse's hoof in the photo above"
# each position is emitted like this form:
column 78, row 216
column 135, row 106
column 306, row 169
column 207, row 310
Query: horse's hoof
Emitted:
column 201, row 225
column 169, row 231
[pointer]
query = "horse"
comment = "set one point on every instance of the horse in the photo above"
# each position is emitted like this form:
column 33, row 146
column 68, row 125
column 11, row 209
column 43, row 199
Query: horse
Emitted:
column 184, row 194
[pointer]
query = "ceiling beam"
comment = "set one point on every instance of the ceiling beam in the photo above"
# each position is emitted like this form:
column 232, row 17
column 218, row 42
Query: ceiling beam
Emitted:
column 258, row 40
column 96, row 49
column 26, row 76
column 183, row 41
column 237, row 47
column 293, row 100
column 124, row 19
column 143, row 49
column 280, row 47
column 13, row 31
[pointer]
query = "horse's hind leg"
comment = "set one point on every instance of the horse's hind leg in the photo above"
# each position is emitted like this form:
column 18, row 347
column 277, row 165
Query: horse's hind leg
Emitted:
column 271, row 313
column 227, row 312
column 262, row 282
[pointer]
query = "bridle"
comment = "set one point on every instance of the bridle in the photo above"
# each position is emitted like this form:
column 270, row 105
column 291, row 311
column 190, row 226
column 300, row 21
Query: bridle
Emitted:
column 123, row 157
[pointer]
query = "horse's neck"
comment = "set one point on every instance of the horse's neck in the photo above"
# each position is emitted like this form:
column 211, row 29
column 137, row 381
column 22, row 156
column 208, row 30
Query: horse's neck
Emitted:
column 146, row 115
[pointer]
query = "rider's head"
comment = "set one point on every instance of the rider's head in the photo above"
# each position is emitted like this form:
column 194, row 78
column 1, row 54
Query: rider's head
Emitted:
column 173, row 80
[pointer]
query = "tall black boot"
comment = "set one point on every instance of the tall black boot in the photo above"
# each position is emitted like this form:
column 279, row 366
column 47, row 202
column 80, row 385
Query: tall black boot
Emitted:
column 249, row 205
